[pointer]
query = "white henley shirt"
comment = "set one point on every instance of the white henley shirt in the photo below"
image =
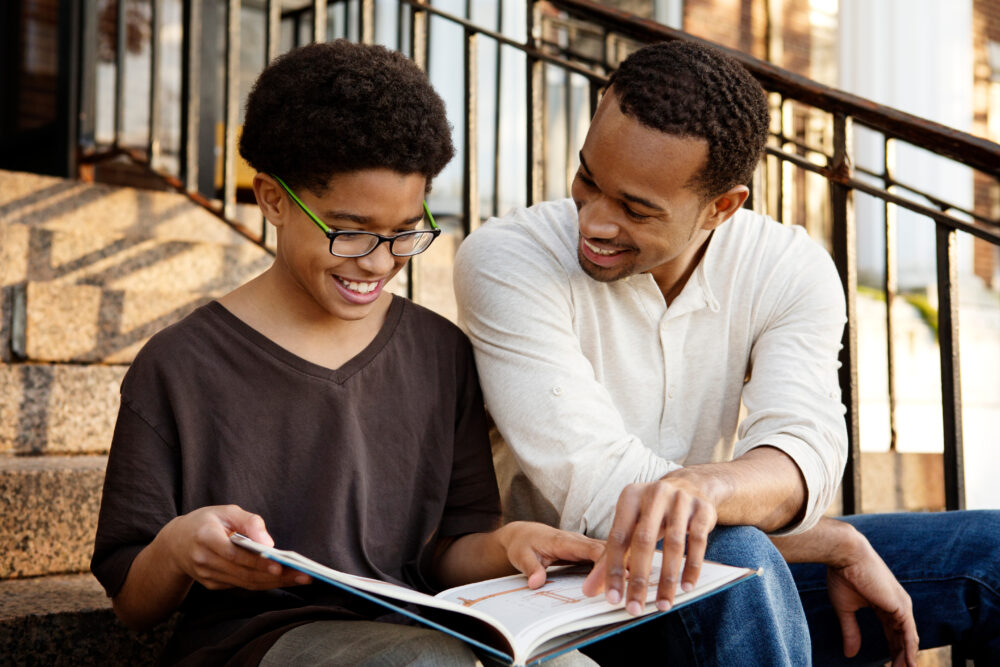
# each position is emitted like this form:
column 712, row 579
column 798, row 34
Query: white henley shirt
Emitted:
column 594, row 385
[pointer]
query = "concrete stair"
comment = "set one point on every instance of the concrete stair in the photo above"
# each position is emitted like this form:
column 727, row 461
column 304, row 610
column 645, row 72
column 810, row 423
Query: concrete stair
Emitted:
column 87, row 273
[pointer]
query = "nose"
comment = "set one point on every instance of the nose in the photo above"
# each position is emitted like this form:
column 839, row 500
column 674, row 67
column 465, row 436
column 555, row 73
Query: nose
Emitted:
column 379, row 261
column 597, row 218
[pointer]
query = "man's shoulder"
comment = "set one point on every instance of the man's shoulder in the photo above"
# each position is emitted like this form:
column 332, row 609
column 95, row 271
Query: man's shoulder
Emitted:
column 544, row 234
column 761, row 238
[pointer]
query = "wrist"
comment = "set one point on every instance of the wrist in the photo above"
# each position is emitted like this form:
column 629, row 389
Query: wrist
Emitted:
column 848, row 547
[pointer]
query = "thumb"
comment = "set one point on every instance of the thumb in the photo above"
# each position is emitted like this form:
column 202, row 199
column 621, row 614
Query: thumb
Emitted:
column 851, row 633
column 527, row 563
column 248, row 523
column 594, row 583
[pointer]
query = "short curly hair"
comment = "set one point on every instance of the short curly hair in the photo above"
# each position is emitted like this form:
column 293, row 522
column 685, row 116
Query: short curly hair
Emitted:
column 338, row 107
column 693, row 90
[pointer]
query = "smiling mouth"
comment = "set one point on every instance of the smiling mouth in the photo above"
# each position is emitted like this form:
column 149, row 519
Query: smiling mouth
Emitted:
column 359, row 286
column 600, row 251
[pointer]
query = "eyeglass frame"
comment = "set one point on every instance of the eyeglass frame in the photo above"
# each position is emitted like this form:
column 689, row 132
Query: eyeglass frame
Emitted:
column 332, row 235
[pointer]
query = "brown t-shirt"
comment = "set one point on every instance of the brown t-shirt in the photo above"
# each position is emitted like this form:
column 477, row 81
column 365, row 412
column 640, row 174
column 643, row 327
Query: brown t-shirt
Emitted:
column 361, row 468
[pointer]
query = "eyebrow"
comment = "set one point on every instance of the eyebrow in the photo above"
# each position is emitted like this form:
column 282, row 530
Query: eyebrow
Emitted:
column 626, row 196
column 363, row 219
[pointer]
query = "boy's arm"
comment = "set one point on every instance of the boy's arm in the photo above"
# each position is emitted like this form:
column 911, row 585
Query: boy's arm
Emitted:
column 196, row 547
column 520, row 546
column 857, row 577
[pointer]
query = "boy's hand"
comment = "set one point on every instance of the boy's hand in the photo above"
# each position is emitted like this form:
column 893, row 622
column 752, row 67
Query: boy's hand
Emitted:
column 199, row 547
column 532, row 547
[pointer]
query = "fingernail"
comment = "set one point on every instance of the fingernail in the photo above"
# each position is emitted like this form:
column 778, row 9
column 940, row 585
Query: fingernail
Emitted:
column 614, row 597
column 663, row 605
column 634, row 608
column 687, row 587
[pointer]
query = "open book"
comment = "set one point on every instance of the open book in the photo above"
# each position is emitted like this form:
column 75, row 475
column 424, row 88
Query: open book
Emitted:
column 504, row 617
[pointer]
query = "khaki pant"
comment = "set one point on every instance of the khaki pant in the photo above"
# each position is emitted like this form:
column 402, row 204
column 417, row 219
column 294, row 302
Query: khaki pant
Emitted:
column 369, row 644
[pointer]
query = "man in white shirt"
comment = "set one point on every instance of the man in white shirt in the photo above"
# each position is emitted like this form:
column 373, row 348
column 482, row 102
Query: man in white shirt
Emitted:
column 617, row 335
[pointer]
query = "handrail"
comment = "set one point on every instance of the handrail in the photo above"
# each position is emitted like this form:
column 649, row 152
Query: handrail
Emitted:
column 974, row 151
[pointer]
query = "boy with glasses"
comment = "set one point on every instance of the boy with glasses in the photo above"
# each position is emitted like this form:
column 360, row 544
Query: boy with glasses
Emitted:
column 310, row 407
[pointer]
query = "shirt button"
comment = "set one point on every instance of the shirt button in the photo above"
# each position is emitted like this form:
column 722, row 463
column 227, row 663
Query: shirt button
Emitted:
column 557, row 391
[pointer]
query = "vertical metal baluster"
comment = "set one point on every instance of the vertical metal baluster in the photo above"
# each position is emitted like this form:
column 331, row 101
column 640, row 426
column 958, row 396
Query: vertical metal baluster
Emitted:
column 231, row 106
column 535, row 158
column 153, row 141
column 120, row 31
column 190, row 93
column 470, row 180
column 366, row 19
column 951, row 380
column 319, row 21
column 87, row 92
column 891, row 284
column 419, row 27
column 272, row 41
column 496, row 115
column 845, row 257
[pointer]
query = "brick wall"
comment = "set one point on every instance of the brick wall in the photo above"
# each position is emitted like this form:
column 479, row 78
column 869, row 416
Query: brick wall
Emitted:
column 986, row 28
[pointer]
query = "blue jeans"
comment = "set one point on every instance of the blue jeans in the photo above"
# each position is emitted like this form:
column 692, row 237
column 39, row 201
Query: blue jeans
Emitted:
column 949, row 563
column 759, row 622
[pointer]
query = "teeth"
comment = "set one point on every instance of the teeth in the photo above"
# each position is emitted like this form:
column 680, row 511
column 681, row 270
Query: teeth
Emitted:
column 359, row 287
column 598, row 251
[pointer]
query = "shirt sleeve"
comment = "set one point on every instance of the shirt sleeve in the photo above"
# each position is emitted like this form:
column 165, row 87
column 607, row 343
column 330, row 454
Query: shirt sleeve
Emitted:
column 793, row 395
column 139, row 497
column 558, row 420
column 473, row 504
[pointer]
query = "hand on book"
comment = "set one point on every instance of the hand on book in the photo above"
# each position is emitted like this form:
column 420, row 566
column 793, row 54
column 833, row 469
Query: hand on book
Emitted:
column 199, row 545
column 671, row 509
column 532, row 547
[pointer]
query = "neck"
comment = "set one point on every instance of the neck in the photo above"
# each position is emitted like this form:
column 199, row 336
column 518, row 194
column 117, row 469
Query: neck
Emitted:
column 673, row 276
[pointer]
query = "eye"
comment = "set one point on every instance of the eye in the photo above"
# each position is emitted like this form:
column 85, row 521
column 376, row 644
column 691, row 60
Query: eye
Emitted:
column 587, row 182
column 632, row 214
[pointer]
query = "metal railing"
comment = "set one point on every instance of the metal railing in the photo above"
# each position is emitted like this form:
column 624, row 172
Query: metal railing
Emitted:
column 563, row 50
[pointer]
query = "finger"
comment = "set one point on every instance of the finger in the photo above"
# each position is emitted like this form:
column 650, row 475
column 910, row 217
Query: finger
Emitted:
column 702, row 523
column 674, row 538
column 850, row 632
column 526, row 561
column 594, row 583
column 626, row 514
column 644, row 538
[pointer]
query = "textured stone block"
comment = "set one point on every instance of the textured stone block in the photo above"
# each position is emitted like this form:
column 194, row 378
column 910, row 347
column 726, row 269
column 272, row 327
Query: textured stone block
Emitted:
column 48, row 513
column 67, row 620
column 112, row 259
column 58, row 409
column 87, row 323
column 69, row 205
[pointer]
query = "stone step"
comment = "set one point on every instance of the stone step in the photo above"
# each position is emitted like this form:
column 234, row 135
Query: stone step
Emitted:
column 48, row 513
column 92, row 324
column 67, row 620
column 69, row 205
column 112, row 259
column 58, row 409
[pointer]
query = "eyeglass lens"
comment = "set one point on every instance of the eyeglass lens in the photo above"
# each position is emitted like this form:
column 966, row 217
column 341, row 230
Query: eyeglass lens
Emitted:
column 361, row 243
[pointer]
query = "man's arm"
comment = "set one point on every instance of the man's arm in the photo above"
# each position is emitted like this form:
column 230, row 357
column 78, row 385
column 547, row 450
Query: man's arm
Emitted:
column 196, row 547
column 857, row 577
column 762, row 488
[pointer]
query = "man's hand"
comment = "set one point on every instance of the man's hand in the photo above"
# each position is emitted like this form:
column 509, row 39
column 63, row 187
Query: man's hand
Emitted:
column 867, row 582
column 198, row 546
column 672, row 509
column 857, row 577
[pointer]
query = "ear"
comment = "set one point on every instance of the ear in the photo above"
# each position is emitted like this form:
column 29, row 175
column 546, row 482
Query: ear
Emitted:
column 722, row 207
column 271, row 199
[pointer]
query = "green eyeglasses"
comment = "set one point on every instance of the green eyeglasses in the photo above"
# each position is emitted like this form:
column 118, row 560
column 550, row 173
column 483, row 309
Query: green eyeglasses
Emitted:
column 358, row 244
